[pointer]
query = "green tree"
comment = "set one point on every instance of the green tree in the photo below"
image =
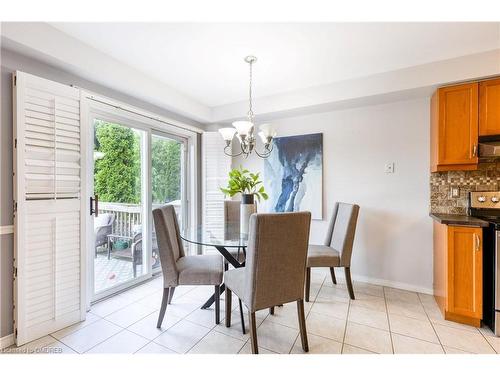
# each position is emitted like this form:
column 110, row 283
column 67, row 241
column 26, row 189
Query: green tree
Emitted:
column 165, row 170
column 117, row 174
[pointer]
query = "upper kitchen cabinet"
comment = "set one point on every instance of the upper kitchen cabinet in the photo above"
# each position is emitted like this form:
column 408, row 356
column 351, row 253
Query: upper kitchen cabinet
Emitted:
column 454, row 128
column 489, row 107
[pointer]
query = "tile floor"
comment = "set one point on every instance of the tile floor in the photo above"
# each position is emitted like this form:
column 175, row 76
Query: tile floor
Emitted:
column 380, row 320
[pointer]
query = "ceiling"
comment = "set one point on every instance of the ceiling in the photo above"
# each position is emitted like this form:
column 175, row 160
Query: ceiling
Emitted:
column 204, row 61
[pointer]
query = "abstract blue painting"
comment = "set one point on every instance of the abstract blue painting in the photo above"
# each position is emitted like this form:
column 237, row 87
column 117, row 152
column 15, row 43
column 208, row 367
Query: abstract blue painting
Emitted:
column 293, row 175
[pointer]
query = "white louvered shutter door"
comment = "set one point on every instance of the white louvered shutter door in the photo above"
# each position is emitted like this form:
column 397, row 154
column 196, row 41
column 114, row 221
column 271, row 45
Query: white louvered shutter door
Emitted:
column 49, row 230
column 216, row 166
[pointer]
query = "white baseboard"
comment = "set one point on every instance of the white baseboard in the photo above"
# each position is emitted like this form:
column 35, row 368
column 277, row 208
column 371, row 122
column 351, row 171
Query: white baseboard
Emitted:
column 388, row 283
column 6, row 229
column 6, row 341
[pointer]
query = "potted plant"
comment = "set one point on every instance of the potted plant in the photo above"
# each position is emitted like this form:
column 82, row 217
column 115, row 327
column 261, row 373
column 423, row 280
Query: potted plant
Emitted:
column 249, row 185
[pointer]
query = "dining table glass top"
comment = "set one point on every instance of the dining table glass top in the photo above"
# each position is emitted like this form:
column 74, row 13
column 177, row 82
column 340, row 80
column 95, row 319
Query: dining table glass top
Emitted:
column 227, row 235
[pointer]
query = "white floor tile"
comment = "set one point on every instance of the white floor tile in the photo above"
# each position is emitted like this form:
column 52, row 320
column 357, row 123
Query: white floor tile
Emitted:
column 325, row 326
column 124, row 342
column 372, row 318
column 129, row 315
column 463, row 340
column 235, row 329
column 409, row 345
column 317, row 345
column 449, row 350
column 204, row 317
column 331, row 308
column 327, row 293
column 368, row 338
column 276, row 337
column 247, row 349
column 287, row 315
column 91, row 318
column 146, row 327
column 182, row 336
column 154, row 348
column 217, row 343
column 410, row 310
column 369, row 302
column 109, row 306
column 349, row 349
column 494, row 342
column 415, row 328
column 91, row 335
column 392, row 294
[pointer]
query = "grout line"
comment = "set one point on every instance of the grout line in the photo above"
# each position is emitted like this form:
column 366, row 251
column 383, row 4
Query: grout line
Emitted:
column 388, row 320
column 432, row 325
column 488, row 341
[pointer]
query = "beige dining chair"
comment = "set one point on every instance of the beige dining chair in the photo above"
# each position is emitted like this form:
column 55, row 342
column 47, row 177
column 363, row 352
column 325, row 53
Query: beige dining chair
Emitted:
column 179, row 269
column 337, row 248
column 275, row 268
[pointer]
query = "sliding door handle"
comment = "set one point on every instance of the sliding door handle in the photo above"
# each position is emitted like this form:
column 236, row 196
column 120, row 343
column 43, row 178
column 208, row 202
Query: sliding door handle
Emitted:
column 94, row 206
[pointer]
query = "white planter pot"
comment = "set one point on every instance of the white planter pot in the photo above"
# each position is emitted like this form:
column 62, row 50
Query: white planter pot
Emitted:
column 246, row 210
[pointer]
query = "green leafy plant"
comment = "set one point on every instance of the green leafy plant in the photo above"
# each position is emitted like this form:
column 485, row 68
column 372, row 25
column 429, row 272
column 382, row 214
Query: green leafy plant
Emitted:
column 244, row 182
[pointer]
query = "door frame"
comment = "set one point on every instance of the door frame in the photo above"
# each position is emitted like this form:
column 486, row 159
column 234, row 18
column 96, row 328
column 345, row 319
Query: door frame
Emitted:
column 92, row 107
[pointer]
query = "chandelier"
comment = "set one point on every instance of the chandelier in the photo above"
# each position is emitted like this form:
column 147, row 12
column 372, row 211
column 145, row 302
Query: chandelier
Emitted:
column 245, row 129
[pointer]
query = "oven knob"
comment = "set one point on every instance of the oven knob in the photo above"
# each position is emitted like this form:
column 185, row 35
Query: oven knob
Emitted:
column 495, row 199
column 481, row 198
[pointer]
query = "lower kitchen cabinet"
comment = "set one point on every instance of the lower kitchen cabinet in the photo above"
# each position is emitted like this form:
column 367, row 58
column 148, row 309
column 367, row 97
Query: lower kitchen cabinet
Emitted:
column 458, row 272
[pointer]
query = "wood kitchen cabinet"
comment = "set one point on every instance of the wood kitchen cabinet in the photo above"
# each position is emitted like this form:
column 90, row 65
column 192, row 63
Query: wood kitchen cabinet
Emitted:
column 454, row 128
column 489, row 107
column 458, row 272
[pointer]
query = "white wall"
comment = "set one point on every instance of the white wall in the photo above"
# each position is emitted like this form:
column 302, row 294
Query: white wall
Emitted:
column 393, row 244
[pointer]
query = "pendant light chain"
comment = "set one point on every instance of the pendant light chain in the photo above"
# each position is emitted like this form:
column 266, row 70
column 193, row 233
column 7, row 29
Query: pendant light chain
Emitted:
column 245, row 130
column 250, row 111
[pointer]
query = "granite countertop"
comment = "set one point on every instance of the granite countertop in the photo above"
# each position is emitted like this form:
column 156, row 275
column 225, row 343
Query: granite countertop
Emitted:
column 450, row 219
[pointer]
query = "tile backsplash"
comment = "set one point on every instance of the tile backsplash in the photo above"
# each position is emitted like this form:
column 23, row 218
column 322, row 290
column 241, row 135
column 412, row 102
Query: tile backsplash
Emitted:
column 486, row 177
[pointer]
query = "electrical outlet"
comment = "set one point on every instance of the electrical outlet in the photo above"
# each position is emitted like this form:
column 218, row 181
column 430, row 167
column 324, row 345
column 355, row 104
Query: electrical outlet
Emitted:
column 389, row 168
column 455, row 192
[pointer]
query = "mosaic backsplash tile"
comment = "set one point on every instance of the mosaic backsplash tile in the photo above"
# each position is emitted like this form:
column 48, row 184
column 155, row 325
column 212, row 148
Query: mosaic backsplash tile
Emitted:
column 487, row 177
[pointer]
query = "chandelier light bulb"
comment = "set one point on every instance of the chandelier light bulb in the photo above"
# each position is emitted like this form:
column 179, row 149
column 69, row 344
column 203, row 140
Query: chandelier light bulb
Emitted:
column 227, row 133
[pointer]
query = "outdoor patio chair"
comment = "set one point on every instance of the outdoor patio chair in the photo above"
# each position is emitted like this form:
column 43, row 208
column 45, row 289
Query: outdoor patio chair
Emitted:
column 103, row 226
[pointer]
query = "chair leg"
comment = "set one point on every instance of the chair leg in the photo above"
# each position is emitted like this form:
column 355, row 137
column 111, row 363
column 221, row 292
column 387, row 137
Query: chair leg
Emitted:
column 164, row 302
column 271, row 310
column 172, row 290
column 242, row 318
column 228, row 307
column 332, row 273
column 308, row 282
column 253, row 332
column 349, row 282
column 217, row 304
column 302, row 325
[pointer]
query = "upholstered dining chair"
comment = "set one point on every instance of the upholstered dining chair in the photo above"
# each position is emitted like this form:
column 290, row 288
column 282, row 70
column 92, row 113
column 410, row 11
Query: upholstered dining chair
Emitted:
column 275, row 268
column 179, row 269
column 337, row 248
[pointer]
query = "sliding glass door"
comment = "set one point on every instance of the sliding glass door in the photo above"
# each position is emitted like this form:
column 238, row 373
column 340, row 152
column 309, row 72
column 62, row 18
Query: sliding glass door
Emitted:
column 120, row 186
column 134, row 167
column 168, row 185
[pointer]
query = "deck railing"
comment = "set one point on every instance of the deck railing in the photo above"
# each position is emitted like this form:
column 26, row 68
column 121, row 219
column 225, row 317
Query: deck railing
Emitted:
column 128, row 217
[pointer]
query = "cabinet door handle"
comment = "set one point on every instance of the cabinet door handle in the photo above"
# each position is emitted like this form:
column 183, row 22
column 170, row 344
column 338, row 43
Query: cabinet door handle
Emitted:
column 474, row 150
column 477, row 242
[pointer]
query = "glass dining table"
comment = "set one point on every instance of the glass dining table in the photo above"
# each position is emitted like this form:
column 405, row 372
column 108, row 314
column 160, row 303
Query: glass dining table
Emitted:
column 228, row 240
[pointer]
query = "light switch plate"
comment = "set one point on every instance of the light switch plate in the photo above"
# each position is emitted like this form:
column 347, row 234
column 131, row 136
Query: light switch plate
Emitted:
column 389, row 168
column 455, row 192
